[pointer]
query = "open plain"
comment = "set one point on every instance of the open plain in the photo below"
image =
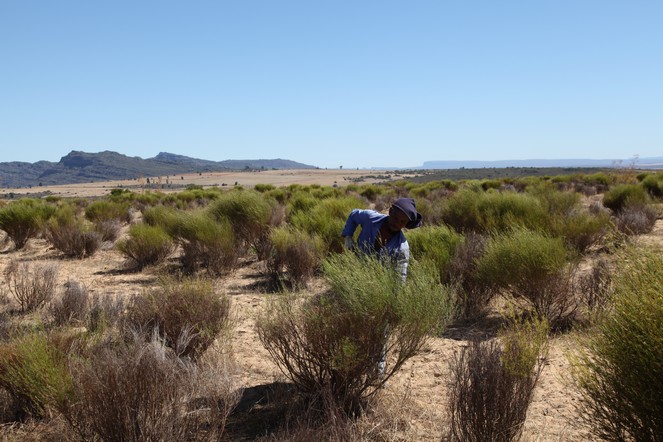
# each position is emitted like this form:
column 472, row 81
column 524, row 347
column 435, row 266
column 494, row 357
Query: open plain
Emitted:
column 323, row 177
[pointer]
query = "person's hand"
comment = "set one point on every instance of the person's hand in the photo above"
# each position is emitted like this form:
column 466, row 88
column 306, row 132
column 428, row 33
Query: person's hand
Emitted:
column 349, row 243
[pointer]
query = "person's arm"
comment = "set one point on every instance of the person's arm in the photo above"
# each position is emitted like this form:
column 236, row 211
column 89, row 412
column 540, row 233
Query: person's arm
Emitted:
column 356, row 218
column 402, row 261
column 351, row 223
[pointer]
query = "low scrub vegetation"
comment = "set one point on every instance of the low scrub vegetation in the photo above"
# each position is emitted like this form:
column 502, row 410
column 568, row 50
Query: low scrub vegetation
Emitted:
column 636, row 218
column 70, row 235
column 187, row 314
column 205, row 242
column 31, row 285
column 24, row 219
column 34, row 372
column 146, row 245
column 72, row 307
column 111, row 364
column 297, row 253
column 619, row 372
column 105, row 210
column 492, row 383
column 472, row 295
column 470, row 210
column 343, row 345
column 326, row 219
column 143, row 391
column 249, row 213
column 534, row 267
column 435, row 244
column 619, row 197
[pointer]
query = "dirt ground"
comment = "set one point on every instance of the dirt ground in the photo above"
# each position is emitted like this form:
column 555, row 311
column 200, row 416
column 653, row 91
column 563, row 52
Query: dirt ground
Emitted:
column 420, row 386
column 323, row 177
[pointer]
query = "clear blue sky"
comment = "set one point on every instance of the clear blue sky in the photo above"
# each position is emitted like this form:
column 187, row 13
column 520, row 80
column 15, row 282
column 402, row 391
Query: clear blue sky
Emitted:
column 329, row 83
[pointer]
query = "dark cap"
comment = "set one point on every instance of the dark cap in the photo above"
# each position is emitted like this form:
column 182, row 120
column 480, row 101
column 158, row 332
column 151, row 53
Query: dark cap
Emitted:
column 407, row 206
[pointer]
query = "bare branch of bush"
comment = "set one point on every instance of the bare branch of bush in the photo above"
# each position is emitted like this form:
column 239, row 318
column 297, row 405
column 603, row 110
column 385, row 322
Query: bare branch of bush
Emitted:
column 554, row 297
column 491, row 385
column 105, row 311
column 295, row 251
column 73, row 239
column 473, row 297
column 636, row 219
column 188, row 314
column 594, row 287
column 72, row 306
column 143, row 391
column 109, row 229
column 31, row 286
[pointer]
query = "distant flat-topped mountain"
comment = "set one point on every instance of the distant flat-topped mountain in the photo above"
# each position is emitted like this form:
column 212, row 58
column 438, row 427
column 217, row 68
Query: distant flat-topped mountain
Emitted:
column 83, row 167
column 638, row 163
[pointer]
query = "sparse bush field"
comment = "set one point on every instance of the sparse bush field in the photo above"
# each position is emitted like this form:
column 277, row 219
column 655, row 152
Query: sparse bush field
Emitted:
column 532, row 247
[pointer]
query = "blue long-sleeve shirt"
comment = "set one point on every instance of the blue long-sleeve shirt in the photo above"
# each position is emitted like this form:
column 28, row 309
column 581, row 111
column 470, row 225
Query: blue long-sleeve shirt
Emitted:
column 397, row 248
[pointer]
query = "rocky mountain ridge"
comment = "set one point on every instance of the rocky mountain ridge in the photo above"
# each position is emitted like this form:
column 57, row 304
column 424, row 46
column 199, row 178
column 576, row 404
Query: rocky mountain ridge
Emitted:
column 84, row 167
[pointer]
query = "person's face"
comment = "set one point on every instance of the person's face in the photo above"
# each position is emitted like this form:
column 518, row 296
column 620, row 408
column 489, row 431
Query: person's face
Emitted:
column 397, row 219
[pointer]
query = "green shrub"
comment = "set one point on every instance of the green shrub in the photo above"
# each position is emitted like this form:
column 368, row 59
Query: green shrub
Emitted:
column 301, row 202
column 298, row 252
column 436, row 244
column 653, row 184
column 147, row 199
column 330, row 345
column 188, row 314
column 162, row 216
column 146, row 245
column 249, row 213
column 620, row 370
column 521, row 259
column 279, row 195
column 262, row 188
column 581, row 229
column 34, row 372
column 104, row 210
column 556, row 203
column 326, row 219
column 205, row 243
column 370, row 192
column 492, row 385
column 598, row 179
column 491, row 184
column 621, row 195
column 432, row 211
column 121, row 195
column 23, row 219
column 534, row 267
column 481, row 212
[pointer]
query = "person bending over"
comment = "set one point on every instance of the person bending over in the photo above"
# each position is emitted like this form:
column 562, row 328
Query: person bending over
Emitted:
column 382, row 235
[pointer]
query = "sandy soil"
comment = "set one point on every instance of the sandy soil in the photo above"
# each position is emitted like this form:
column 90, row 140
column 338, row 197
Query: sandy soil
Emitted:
column 325, row 177
column 421, row 383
